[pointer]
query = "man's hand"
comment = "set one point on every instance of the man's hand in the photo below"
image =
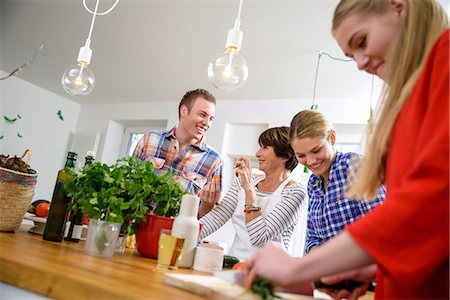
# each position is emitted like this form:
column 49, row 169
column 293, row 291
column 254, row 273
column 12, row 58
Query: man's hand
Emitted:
column 209, row 196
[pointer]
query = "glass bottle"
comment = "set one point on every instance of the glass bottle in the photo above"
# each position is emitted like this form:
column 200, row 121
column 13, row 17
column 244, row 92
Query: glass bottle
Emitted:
column 74, row 226
column 56, row 220
column 186, row 225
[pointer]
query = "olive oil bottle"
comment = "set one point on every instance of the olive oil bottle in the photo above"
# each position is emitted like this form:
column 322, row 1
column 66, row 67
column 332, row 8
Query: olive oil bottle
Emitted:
column 57, row 216
column 75, row 225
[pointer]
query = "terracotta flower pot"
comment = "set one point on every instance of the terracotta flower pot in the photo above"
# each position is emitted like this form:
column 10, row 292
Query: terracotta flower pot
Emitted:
column 147, row 235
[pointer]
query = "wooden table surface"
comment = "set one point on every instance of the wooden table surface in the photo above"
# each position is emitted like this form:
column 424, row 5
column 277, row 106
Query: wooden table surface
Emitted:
column 65, row 271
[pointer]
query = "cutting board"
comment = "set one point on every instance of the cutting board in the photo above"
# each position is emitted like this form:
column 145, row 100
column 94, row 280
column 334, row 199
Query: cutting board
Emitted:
column 215, row 288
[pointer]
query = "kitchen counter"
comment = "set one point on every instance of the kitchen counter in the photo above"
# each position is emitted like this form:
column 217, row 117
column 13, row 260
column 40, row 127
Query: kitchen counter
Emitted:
column 65, row 271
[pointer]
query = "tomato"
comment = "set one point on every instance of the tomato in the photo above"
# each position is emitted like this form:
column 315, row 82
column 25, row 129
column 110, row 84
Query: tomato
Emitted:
column 42, row 209
column 85, row 219
column 239, row 266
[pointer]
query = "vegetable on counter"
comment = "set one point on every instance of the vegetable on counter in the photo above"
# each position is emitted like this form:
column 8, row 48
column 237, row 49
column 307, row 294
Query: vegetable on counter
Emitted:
column 229, row 261
column 264, row 289
column 15, row 164
column 261, row 287
column 33, row 207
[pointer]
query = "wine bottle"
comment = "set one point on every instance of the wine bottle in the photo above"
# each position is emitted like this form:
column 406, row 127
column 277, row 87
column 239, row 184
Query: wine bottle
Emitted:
column 56, row 219
column 75, row 225
column 186, row 226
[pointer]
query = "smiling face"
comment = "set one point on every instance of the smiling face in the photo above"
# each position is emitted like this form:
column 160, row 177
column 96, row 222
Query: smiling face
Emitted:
column 268, row 160
column 316, row 153
column 196, row 121
column 368, row 38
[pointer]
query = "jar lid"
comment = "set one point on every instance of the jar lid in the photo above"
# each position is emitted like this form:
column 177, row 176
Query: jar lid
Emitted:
column 90, row 153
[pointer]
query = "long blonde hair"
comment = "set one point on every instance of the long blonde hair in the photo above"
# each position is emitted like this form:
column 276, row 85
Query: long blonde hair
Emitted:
column 425, row 20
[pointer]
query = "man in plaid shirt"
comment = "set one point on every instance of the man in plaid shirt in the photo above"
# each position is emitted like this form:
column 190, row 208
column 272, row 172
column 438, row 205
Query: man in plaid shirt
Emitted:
column 183, row 149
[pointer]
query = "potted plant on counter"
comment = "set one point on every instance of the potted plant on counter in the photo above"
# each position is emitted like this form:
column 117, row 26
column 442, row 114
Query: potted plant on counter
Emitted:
column 119, row 196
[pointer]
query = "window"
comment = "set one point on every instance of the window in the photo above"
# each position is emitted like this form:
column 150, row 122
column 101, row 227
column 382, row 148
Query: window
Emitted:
column 133, row 139
column 135, row 130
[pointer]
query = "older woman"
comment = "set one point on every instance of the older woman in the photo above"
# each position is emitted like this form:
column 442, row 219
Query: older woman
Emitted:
column 262, row 207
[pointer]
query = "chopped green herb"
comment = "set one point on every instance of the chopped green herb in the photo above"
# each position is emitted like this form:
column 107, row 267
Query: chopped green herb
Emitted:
column 19, row 135
column 264, row 289
column 18, row 116
column 1, row 137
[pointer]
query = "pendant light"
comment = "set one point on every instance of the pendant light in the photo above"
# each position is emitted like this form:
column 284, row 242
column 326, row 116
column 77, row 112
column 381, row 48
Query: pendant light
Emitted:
column 79, row 80
column 228, row 70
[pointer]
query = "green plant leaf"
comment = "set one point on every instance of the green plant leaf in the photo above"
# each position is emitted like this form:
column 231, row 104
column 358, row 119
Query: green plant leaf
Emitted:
column 124, row 192
column 101, row 239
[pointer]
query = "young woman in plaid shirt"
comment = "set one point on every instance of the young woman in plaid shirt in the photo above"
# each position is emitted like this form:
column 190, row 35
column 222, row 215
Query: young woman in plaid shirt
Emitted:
column 313, row 139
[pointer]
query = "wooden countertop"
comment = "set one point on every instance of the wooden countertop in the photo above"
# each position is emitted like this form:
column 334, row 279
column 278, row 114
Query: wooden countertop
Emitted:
column 65, row 271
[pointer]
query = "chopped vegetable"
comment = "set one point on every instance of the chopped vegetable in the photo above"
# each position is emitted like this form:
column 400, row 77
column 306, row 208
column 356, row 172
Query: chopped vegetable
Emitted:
column 264, row 289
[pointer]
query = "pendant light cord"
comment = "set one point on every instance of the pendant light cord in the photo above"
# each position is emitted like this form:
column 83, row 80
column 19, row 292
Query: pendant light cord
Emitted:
column 93, row 18
column 237, row 22
column 102, row 13
column 96, row 13
column 314, row 106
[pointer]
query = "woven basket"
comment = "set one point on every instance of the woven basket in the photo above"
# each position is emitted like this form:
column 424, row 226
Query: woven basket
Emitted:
column 16, row 193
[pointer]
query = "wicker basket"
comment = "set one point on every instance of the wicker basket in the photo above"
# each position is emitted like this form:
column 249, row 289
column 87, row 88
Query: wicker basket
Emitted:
column 16, row 193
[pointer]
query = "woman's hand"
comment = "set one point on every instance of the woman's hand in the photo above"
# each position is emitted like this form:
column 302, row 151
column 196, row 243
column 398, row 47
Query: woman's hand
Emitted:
column 273, row 264
column 243, row 171
column 365, row 275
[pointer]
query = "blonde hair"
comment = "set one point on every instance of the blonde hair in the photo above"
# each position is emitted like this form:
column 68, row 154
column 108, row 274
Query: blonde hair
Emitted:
column 309, row 123
column 425, row 20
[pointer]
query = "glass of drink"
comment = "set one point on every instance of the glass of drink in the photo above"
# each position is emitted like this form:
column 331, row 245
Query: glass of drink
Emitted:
column 169, row 250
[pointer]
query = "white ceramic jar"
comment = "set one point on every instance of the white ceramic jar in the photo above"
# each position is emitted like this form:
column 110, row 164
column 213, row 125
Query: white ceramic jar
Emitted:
column 186, row 225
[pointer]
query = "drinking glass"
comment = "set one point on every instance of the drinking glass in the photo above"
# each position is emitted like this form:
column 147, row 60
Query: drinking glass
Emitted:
column 169, row 250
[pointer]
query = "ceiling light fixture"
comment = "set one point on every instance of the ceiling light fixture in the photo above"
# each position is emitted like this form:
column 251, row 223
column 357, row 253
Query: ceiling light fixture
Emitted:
column 79, row 80
column 228, row 70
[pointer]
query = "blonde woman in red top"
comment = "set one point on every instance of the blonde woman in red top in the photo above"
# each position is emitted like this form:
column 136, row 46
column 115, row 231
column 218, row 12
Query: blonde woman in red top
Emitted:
column 403, row 243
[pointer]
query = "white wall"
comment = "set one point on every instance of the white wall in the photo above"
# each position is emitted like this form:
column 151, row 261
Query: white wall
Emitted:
column 234, row 132
column 41, row 129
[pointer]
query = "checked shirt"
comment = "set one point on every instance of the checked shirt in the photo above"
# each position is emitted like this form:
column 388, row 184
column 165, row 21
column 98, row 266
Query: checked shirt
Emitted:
column 330, row 210
column 193, row 167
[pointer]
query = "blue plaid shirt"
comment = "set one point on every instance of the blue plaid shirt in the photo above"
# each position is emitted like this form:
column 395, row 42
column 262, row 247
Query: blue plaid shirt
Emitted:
column 330, row 210
column 193, row 167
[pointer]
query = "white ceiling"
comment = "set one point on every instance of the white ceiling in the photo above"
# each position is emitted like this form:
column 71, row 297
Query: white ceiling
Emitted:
column 148, row 50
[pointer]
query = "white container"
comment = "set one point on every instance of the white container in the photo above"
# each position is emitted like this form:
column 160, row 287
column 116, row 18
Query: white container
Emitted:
column 186, row 225
column 208, row 258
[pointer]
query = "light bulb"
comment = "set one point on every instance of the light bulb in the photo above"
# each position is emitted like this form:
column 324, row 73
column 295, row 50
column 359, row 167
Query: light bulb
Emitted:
column 78, row 80
column 228, row 70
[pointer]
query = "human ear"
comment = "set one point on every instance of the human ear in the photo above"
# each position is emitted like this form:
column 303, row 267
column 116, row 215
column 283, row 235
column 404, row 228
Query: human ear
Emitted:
column 184, row 110
column 398, row 6
column 332, row 137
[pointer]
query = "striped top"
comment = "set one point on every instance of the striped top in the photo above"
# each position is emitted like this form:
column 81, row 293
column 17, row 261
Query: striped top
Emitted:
column 279, row 224
column 193, row 167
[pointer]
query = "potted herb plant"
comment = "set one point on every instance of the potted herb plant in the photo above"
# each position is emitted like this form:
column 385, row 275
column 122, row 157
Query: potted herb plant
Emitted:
column 122, row 193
